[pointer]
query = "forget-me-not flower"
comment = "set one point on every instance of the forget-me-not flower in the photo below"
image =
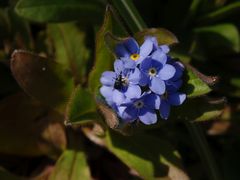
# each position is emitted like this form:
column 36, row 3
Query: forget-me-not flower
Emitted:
column 130, row 52
column 142, row 107
column 145, row 79
column 154, row 73
column 168, row 99
column 120, row 84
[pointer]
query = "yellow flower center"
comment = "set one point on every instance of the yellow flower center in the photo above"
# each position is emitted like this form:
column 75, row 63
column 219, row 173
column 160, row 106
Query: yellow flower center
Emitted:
column 135, row 57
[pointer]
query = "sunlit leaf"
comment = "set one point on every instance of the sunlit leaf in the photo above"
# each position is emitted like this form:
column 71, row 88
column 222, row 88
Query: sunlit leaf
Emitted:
column 146, row 154
column 70, row 49
column 163, row 36
column 198, row 109
column 195, row 83
column 223, row 37
column 103, row 57
column 80, row 104
column 71, row 165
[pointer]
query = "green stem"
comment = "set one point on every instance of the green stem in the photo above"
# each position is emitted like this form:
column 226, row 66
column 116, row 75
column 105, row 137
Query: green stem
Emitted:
column 130, row 15
column 203, row 150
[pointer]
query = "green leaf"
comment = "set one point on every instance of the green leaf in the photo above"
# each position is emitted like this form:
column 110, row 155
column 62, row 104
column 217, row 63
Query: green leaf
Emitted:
column 235, row 82
column 103, row 57
column 163, row 36
column 71, row 165
column 14, row 31
column 221, row 13
column 219, row 39
column 70, row 50
column 129, row 14
column 148, row 155
column 81, row 104
column 193, row 82
column 206, row 109
column 20, row 31
column 60, row 10
column 42, row 78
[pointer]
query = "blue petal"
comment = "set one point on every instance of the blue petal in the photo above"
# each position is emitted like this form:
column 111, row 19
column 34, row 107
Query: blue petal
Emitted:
column 118, row 97
column 146, row 48
column 164, row 48
column 160, row 56
column 131, row 45
column 166, row 72
column 152, row 101
column 108, row 78
column 176, row 98
column 157, row 86
column 173, row 86
column 134, row 77
column 146, row 65
column 121, row 51
column 164, row 109
column 106, row 91
column 179, row 70
column 118, row 66
column 154, row 41
column 129, row 64
column 157, row 65
column 148, row 117
column 120, row 110
column 144, row 79
column 140, row 59
column 130, row 113
column 133, row 91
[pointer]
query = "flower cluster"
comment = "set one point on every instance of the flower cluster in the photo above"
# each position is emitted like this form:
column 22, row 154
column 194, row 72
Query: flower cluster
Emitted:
column 145, row 80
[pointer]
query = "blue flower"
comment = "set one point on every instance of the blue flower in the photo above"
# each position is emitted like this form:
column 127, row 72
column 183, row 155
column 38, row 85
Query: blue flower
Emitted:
column 130, row 52
column 154, row 73
column 120, row 84
column 145, row 79
column 168, row 99
column 178, row 66
column 162, row 49
column 175, row 82
column 172, row 97
column 142, row 107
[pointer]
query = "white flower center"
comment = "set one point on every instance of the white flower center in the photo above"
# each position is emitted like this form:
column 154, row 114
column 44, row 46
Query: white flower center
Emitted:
column 152, row 72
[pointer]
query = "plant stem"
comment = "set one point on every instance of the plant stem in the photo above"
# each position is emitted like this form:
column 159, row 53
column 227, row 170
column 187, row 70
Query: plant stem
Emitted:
column 130, row 15
column 202, row 147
